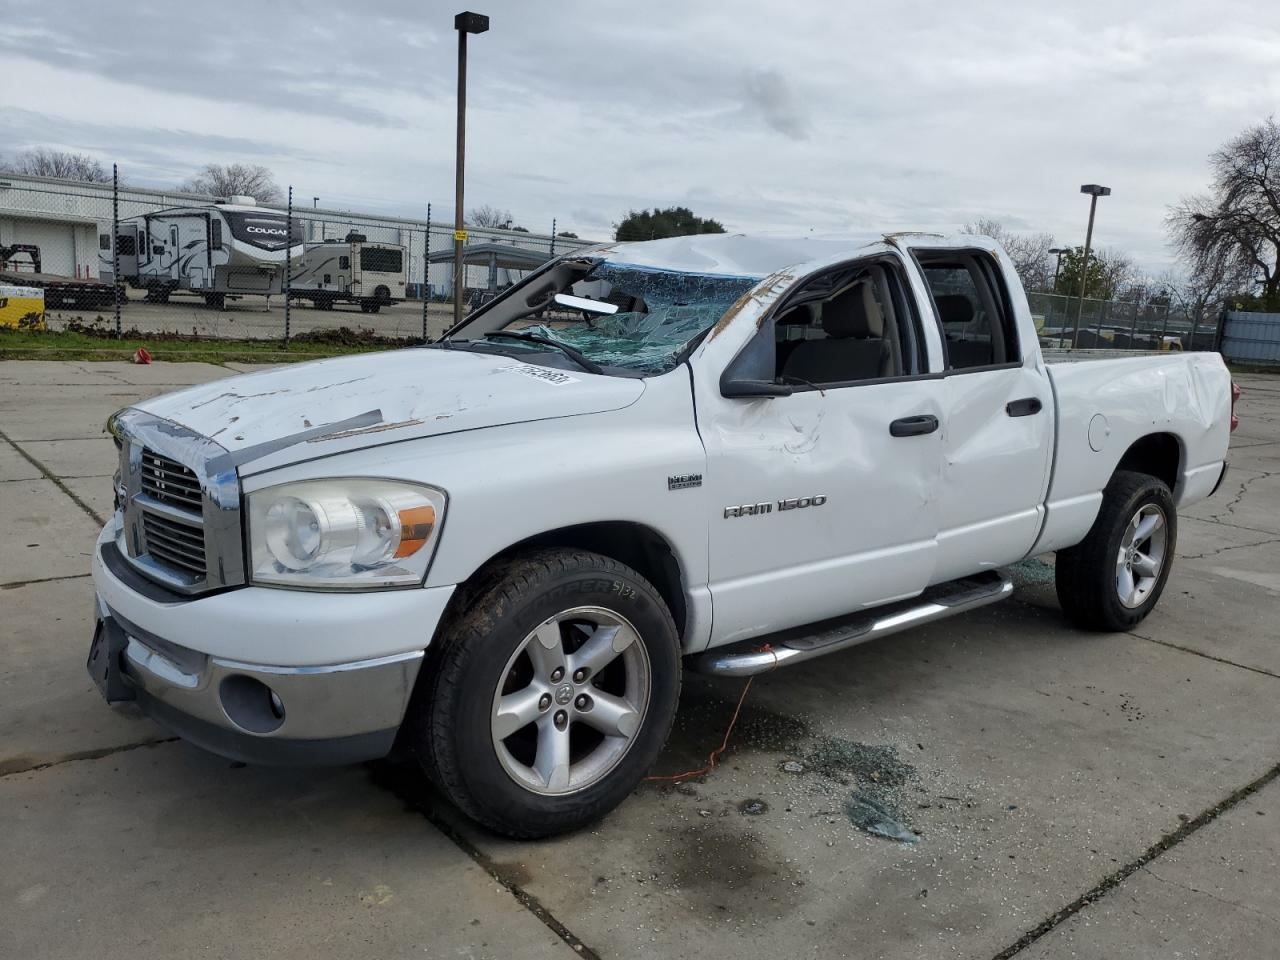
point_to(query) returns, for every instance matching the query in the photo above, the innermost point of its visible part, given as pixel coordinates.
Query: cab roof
(739, 255)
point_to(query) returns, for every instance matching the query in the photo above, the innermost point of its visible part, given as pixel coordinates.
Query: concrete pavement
(1073, 794)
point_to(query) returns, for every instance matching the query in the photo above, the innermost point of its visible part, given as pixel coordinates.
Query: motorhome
(219, 250)
(351, 270)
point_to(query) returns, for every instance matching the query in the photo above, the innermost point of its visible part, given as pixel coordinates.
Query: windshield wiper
(586, 364)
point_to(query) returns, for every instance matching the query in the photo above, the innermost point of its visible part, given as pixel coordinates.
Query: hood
(299, 412)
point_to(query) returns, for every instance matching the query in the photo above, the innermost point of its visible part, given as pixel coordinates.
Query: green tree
(1109, 272)
(655, 224)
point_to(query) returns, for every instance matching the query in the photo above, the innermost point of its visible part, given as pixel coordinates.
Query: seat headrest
(801, 313)
(853, 313)
(954, 308)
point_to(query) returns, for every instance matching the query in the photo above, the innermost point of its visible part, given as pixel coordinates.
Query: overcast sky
(836, 117)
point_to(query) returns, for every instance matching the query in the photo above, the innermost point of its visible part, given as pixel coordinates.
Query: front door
(996, 447)
(825, 501)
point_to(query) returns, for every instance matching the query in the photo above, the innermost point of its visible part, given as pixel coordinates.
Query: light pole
(1095, 191)
(464, 23)
(1057, 269)
(315, 201)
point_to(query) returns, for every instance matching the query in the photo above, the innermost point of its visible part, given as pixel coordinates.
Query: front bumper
(334, 714)
(334, 686)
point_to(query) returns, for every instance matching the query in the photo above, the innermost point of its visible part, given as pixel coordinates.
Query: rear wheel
(551, 695)
(1114, 577)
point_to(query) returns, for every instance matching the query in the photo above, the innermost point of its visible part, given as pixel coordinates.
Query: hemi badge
(684, 481)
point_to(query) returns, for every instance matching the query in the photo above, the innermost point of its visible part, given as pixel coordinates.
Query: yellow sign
(460, 235)
(22, 307)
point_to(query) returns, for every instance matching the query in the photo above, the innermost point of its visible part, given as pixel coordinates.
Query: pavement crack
(1119, 876)
(12, 771)
(1221, 550)
(54, 479)
(27, 583)
(1244, 488)
(387, 775)
(1205, 893)
(1207, 656)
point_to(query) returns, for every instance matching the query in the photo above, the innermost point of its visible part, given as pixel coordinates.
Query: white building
(67, 218)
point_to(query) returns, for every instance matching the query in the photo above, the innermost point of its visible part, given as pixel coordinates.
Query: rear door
(996, 443)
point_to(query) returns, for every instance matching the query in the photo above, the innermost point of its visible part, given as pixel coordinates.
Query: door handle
(1025, 407)
(913, 426)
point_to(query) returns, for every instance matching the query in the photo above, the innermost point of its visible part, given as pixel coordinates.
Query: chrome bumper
(336, 713)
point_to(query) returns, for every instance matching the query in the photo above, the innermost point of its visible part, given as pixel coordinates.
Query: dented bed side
(1103, 407)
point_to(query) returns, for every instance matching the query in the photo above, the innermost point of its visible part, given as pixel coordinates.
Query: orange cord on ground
(715, 754)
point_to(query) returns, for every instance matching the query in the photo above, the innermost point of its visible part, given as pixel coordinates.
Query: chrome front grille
(175, 543)
(178, 498)
(168, 481)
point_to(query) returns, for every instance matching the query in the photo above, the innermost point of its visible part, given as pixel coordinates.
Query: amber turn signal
(416, 525)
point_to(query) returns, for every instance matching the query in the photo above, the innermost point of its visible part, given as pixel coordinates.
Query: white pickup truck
(496, 551)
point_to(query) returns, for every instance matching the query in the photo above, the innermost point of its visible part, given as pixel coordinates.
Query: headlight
(349, 534)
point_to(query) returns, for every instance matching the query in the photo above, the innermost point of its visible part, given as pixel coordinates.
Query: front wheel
(550, 695)
(1114, 577)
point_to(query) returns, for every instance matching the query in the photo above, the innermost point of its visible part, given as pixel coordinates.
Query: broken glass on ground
(872, 815)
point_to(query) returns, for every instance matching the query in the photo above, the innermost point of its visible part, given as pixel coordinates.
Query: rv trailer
(215, 251)
(351, 270)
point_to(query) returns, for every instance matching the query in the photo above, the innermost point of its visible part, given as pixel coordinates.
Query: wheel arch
(639, 546)
(1158, 455)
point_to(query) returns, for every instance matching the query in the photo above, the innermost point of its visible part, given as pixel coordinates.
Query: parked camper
(352, 270)
(227, 248)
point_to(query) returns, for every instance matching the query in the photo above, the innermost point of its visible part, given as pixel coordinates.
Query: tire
(528, 617)
(1091, 576)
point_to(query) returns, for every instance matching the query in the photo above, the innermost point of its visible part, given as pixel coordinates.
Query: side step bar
(816, 640)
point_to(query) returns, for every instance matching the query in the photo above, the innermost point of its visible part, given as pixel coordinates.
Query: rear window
(973, 309)
(381, 259)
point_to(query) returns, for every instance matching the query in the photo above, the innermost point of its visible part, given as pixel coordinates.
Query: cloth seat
(854, 348)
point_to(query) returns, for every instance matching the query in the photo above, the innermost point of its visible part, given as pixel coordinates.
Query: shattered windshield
(658, 312)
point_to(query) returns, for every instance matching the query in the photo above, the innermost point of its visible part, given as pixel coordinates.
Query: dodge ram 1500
(496, 551)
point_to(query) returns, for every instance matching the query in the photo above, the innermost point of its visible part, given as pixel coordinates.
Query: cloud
(768, 94)
(836, 117)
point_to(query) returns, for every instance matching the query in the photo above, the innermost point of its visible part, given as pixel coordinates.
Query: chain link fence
(195, 265)
(1119, 324)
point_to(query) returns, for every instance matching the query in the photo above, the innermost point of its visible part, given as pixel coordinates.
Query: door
(127, 251)
(825, 501)
(996, 442)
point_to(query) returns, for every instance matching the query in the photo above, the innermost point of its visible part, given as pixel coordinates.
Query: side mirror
(753, 389)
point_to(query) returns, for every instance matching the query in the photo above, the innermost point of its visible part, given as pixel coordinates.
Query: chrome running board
(816, 640)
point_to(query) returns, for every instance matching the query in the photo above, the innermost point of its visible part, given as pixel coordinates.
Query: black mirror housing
(753, 389)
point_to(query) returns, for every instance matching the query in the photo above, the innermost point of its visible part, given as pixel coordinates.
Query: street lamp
(1057, 269)
(464, 23)
(1095, 191)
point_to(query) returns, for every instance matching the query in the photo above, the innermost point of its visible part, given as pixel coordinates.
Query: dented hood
(302, 411)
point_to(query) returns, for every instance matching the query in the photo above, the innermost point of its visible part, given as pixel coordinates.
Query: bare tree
(235, 179)
(1234, 229)
(488, 216)
(43, 162)
(1028, 251)
(1117, 274)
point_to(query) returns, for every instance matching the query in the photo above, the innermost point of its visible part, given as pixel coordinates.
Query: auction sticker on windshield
(546, 375)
